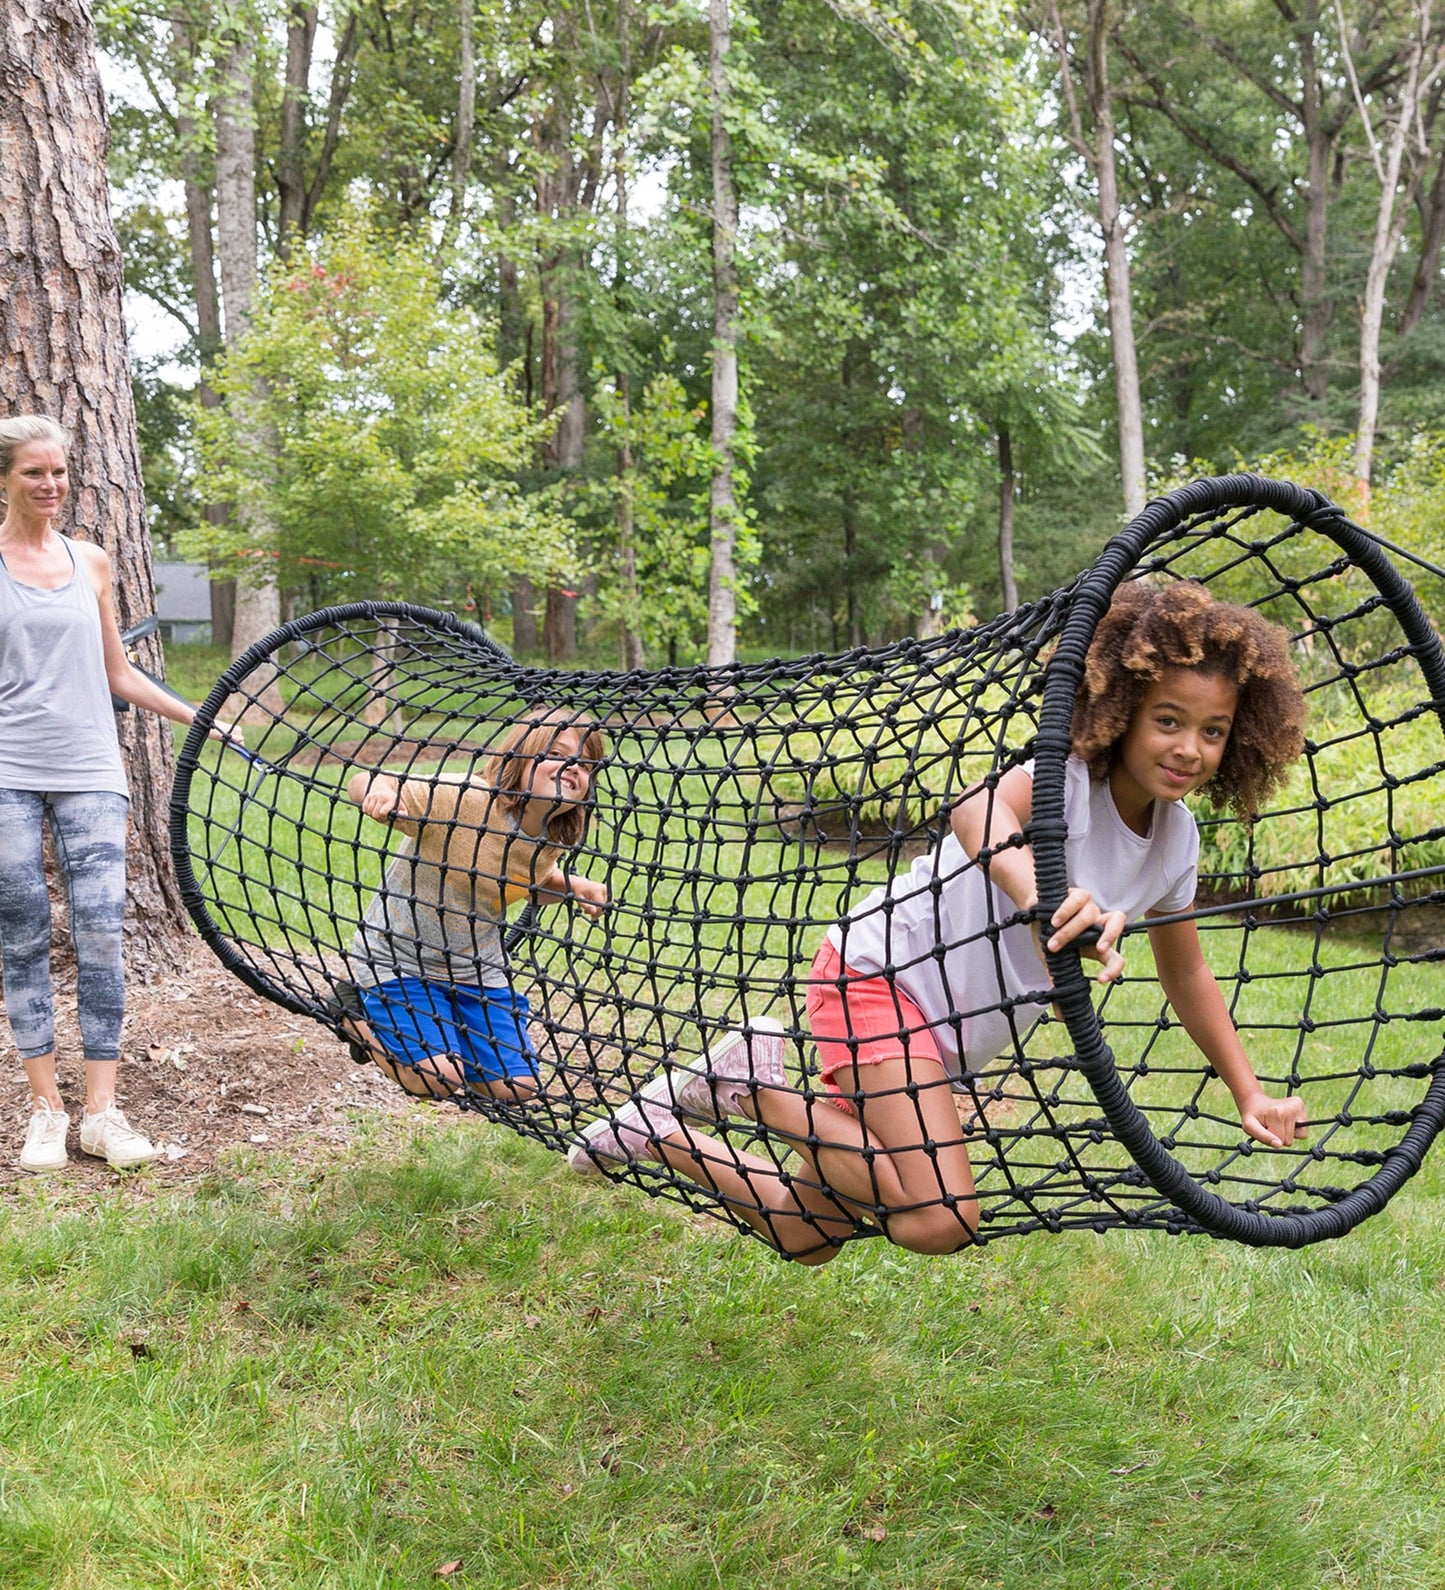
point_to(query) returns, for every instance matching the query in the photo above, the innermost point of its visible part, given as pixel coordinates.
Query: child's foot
(728, 1075)
(625, 1136)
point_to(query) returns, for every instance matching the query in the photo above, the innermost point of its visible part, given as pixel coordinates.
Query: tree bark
(1432, 229)
(558, 188)
(200, 201)
(525, 638)
(62, 323)
(466, 124)
(722, 601)
(258, 601)
(1096, 146)
(301, 24)
(1391, 215)
(1315, 307)
(630, 645)
(1116, 264)
(1006, 489)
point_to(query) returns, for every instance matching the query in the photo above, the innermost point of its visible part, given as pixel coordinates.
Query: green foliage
(663, 489)
(368, 422)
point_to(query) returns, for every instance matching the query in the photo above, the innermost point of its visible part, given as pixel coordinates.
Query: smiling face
(557, 777)
(1174, 743)
(37, 483)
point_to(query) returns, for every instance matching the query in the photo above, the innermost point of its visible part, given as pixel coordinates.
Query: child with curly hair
(922, 982)
(433, 1000)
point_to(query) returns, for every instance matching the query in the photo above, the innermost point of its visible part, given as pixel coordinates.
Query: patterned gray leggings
(89, 830)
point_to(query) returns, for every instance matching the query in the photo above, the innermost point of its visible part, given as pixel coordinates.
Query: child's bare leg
(902, 1160)
(513, 1089)
(795, 1217)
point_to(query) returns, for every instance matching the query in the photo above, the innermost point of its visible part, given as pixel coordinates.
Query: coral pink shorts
(859, 1021)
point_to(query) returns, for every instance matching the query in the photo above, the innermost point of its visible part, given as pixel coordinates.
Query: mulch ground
(207, 1067)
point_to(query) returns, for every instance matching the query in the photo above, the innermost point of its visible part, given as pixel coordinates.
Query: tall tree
(1095, 142)
(62, 319)
(722, 604)
(1398, 167)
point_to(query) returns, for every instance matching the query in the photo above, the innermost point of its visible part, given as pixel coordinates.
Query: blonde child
(920, 983)
(431, 974)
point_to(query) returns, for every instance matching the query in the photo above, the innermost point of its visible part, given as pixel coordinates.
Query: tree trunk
(301, 24)
(258, 601)
(1315, 308)
(1006, 488)
(558, 186)
(633, 653)
(524, 616)
(62, 323)
(1116, 264)
(200, 199)
(1432, 228)
(1390, 218)
(466, 123)
(722, 599)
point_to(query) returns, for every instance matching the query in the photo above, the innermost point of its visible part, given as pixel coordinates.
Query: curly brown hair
(1150, 629)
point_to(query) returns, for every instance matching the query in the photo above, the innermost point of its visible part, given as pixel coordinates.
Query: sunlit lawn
(450, 1348)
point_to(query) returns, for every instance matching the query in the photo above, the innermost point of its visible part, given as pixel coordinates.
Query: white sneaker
(109, 1136)
(44, 1148)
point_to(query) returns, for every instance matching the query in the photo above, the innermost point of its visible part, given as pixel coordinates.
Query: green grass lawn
(448, 1347)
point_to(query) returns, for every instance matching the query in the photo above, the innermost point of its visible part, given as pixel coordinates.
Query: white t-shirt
(936, 924)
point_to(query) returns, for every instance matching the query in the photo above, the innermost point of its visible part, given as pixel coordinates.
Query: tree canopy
(478, 364)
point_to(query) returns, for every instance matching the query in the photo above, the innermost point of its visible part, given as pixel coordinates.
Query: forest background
(460, 287)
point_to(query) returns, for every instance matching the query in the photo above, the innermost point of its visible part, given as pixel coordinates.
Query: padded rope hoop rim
(190, 757)
(1206, 1211)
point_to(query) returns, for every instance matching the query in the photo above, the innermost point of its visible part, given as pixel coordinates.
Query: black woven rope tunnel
(740, 811)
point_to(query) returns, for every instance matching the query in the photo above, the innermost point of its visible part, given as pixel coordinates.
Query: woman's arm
(1191, 989)
(124, 680)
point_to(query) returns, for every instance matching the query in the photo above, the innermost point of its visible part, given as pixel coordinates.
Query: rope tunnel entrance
(736, 813)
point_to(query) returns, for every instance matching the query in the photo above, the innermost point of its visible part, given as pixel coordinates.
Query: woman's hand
(228, 732)
(1273, 1122)
(1077, 915)
(592, 897)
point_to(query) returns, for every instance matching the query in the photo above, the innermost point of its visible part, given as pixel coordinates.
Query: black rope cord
(741, 811)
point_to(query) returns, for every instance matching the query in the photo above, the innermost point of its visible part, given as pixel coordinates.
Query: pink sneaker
(624, 1136)
(728, 1075)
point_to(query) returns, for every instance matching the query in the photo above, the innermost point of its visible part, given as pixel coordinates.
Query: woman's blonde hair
(531, 739)
(22, 428)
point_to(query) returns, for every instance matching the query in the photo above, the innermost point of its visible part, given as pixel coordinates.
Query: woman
(61, 657)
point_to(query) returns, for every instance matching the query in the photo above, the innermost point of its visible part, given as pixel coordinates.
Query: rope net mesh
(739, 812)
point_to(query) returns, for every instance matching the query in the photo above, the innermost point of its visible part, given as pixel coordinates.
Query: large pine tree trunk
(62, 326)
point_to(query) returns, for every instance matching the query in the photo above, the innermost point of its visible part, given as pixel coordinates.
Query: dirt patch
(208, 1066)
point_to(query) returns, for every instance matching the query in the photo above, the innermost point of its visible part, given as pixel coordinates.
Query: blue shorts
(485, 1028)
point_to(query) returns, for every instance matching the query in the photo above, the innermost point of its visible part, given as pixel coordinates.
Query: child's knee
(936, 1229)
(517, 1087)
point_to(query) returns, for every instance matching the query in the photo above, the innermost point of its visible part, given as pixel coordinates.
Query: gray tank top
(57, 726)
